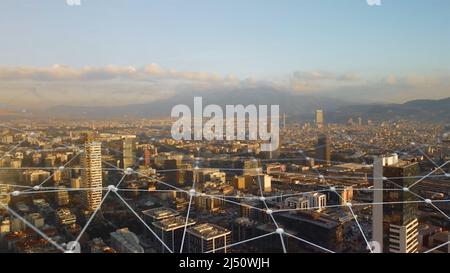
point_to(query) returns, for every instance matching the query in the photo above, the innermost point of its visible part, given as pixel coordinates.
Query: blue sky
(258, 39)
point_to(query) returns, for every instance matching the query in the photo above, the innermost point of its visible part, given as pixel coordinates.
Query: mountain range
(297, 107)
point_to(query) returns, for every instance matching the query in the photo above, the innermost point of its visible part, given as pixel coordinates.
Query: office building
(319, 118)
(62, 196)
(170, 231)
(158, 214)
(208, 237)
(65, 217)
(129, 151)
(323, 150)
(400, 222)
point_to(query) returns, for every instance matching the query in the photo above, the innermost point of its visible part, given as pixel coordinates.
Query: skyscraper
(129, 152)
(147, 155)
(91, 174)
(319, 118)
(323, 150)
(400, 223)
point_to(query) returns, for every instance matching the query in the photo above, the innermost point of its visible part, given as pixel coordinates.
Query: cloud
(40, 87)
(317, 81)
(66, 73)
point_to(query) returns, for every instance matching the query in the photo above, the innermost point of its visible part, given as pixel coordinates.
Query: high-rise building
(129, 152)
(35, 177)
(62, 196)
(170, 231)
(147, 155)
(248, 167)
(400, 223)
(4, 196)
(323, 150)
(173, 173)
(319, 118)
(65, 217)
(208, 238)
(91, 174)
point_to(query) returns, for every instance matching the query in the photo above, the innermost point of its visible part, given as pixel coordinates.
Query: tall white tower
(319, 118)
(92, 174)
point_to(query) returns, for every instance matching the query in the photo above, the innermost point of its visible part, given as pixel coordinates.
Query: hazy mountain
(297, 107)
(291, 104)
(420, 110)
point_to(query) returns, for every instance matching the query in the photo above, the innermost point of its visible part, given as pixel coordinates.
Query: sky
(51, 52)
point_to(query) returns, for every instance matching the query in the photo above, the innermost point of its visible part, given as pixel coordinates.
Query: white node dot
(300, 151)
(385, 178)
(307, 158)
(333, 189)
(349, 204)
(82, 151)
(15, 193)
(405, 189)
(141, 159)
(321, 177)
(112, 188)
(129, 171)
(447, 175)
(428, 201)
(36, 188)
(269, 211)
(32, 134)
(413, 143)
(262, 198)
(445, 135)
(280, 231)
(61, 168)
(196, 168)
(192, 192)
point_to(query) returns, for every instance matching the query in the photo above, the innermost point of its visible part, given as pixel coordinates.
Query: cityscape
(115, 186)
(89, 162)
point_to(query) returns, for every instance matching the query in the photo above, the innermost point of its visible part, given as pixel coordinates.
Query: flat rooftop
(170, 224)
(160, 213)
(208, 231)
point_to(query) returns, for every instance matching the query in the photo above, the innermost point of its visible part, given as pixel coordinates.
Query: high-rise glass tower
(323, 150)
(400, 210)
(129, 152)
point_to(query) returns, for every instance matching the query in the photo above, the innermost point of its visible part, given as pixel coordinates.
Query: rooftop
(160, 213)
(208, 231)
(173, 223)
